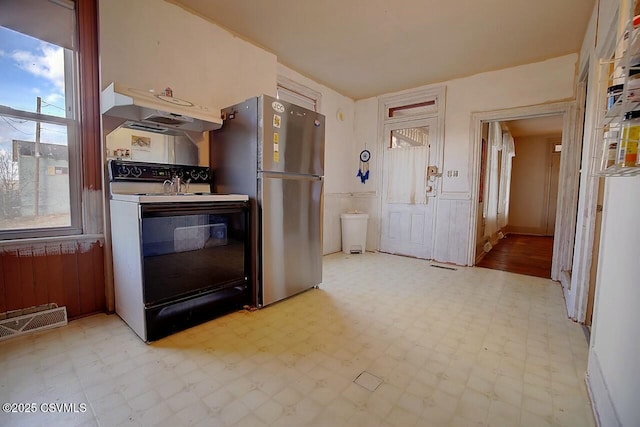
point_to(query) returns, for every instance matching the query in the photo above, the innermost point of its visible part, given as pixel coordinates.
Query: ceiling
(536, 126)
(364, 48)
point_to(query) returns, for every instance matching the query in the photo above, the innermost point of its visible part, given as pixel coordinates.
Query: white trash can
(354, 232)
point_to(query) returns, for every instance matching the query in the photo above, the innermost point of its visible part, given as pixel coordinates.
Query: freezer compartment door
(292, 139)
(291, 235)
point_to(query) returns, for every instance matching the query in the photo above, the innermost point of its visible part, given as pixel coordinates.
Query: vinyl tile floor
(428, 346)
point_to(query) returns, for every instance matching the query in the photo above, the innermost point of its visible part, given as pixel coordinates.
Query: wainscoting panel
(451, 228)
(66, 273)
(452, 231)
(367, 202)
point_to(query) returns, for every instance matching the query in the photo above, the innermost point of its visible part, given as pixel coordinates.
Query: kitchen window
(39, 121)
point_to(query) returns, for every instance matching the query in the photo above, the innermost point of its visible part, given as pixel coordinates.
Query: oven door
(192, 248)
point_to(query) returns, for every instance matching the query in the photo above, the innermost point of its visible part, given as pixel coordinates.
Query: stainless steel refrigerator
(273, 151)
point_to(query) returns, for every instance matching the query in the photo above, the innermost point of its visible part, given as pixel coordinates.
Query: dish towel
(407, 169)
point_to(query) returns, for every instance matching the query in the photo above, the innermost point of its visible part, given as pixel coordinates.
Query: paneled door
(408, 202)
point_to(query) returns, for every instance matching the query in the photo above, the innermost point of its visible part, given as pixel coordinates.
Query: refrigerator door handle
(284, 175)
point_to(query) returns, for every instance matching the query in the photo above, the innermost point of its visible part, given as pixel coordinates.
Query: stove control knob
(193, 174)
(203, 175)
(136, 171)
(123, 170)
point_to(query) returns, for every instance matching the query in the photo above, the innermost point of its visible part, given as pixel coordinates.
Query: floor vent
(444, 268)
(50, 316)
(368, 381)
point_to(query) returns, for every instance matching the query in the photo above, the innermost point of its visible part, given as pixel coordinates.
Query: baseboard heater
(40, 318)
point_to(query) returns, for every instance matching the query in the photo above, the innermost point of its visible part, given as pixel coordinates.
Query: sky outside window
(30, 68)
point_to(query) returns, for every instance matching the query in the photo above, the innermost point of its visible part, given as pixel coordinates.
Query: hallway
(530, 255)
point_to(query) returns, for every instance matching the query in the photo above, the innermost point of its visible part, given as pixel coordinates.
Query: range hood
(143, 110)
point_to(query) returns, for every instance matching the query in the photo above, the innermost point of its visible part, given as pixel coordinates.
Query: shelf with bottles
(622, 89)
(611, 92)
(618, 104)
(620, 143)
(620, 119)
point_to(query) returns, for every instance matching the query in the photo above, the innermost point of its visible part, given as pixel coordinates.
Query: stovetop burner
(144, 183)
(120, 170)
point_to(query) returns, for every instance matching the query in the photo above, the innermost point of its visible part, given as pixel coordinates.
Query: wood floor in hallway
(530, 255)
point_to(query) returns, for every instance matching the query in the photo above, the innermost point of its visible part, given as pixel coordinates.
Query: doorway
(535, 175)
(567, 191)
(519, 208)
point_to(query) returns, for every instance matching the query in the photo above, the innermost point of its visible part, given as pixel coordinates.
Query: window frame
(286, 84)
(82, 123)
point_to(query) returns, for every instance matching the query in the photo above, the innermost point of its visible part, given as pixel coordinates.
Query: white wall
(365, 195)
(538, 83)
(529, 181)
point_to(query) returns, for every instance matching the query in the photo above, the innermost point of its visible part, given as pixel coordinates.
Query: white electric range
(180, 255)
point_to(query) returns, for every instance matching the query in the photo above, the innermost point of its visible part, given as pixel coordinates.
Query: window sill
(13, 243)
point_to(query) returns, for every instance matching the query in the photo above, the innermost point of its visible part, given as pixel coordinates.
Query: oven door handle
(173, 209)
